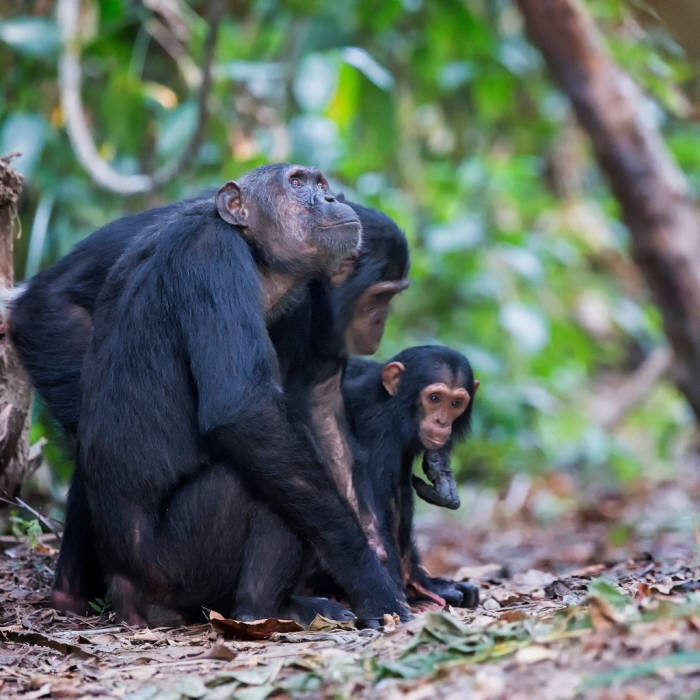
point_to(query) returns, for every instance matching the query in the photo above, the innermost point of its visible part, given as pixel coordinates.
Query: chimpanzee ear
(391, 376)
(477, 384)
(229, 204)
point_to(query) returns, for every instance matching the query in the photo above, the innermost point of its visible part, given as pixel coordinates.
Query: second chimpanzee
(419, 402)
(344, 312)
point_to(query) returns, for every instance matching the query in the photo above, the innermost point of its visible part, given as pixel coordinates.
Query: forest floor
(584, 594)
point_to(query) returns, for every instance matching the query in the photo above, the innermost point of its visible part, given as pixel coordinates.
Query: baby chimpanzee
(419, 402)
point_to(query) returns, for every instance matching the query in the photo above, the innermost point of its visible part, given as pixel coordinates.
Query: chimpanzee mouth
(342, 223)
(431, 442)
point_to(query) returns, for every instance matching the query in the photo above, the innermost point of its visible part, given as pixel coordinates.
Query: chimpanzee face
(291, 216)
(440, 404)
(437, 404)
(366, 327)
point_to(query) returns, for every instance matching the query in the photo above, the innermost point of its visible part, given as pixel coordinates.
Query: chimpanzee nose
(329, 197)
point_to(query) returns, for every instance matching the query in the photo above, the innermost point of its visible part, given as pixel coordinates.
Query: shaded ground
(597, 600)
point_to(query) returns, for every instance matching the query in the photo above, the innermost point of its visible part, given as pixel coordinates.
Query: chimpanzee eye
(295, 181)
(323, 184)
(456, 403)
(434, 397)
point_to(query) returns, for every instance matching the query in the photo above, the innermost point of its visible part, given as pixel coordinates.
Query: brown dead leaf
(145, 635)
(603, 615)
(643, 591)
(219, 651)
(588, 571)
(256, 629)
(505, 596)
(324, 624)
(512, 616)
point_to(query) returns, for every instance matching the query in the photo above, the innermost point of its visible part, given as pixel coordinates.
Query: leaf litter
(568, 611)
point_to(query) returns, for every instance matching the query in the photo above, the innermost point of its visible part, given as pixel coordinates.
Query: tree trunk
(15, 390)
(663, 222)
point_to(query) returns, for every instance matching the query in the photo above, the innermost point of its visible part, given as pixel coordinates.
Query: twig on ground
(17, 501)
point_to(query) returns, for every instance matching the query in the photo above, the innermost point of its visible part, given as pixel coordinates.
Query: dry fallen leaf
(475, 573)
(604, 615)
(325, 624)
(512, 616)
(391, 620)
(256, 629)
(534, 654)
(145, 635)
(45, 549)
(219, 651)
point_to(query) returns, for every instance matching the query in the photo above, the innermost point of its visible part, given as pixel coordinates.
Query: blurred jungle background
(440, 114)
(551, 211)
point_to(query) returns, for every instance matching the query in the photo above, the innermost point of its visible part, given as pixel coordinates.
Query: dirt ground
(584, 594)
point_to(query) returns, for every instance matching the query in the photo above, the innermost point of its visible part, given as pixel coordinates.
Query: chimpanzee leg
(270, 567)
(213, 541)
(79, 577)
(270, 571)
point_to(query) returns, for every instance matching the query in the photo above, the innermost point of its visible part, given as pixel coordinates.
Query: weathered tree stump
(15, 389)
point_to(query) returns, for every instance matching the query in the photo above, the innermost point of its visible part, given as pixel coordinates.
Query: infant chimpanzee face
(441, 403)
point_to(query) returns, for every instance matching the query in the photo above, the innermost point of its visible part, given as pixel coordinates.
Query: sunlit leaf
(360, 59)
(38, 36)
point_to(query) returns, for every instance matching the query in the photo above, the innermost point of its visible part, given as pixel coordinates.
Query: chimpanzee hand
(305, 608)
(460, 594)
(382, 596)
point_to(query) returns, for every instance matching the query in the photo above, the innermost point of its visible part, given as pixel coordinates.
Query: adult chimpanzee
(346, 312)
(419, 402)
(182, 415)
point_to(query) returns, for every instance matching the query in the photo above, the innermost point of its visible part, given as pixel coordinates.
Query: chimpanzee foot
(68, 602)
(459, 594)
(126, 599)
(304, 609)
(375, 622)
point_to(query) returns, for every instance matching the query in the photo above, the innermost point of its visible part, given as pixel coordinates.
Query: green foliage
(101, 606)
(31, 529)
(442, 115)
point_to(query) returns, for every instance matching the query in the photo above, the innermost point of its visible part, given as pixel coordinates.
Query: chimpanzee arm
(242, 415)
(457, 593)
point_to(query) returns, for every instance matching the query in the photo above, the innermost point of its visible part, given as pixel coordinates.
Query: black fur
(309, 343)
(183, 418)
(386, 428)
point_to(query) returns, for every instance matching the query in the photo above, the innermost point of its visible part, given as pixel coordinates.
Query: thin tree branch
(19, 503)
(633, 390)
(69, 83)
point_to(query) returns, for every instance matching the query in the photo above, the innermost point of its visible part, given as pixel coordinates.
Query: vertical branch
(15, 390)
(660, 214)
